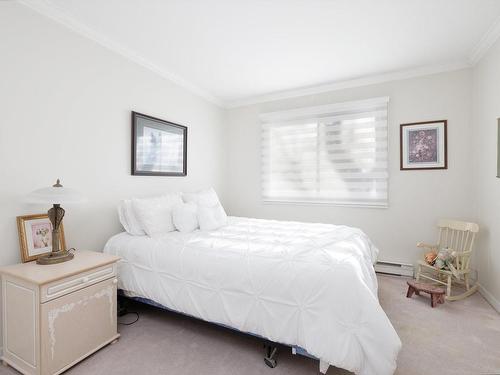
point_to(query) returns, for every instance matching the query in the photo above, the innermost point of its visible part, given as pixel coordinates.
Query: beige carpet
(455, 338)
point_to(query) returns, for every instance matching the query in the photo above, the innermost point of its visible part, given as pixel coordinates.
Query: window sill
(319, 203)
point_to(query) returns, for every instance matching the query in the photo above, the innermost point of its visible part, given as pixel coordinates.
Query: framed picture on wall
(423, 145)
(35, 236)
(159, 147)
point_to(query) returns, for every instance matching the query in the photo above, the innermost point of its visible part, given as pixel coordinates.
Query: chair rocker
(457, 236)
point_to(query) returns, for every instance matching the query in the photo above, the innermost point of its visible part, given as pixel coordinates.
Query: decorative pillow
(211, 218)
(211, 214)
(128, 218)
(155, 214)
(185, 217)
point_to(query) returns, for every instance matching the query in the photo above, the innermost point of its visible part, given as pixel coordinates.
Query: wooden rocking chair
(457, 236)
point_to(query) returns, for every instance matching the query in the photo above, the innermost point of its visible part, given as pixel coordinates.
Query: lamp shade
(55, 194)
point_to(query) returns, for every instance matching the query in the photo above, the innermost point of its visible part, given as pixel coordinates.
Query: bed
(310, 286)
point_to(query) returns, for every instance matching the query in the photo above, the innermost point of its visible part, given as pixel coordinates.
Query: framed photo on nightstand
(35, 236)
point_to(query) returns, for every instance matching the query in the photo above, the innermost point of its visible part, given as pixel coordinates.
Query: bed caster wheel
(270, 362)
(270, 356)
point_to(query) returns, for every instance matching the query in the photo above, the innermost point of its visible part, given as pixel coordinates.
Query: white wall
(65, 107)
(486, 111)
(416, 198)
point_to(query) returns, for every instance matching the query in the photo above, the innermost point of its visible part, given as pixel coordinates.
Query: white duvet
(310, 285)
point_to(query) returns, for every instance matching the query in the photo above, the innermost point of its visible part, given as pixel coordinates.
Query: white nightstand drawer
(68, 285)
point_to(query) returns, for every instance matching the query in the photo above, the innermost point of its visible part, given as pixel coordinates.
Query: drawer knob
(115, 281)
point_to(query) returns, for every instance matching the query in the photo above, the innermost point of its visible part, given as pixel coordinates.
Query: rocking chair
(457, 236)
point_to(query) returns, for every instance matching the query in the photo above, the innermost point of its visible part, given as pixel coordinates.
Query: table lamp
(55, 195)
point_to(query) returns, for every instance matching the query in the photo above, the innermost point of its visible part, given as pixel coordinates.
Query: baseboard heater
(394, 268)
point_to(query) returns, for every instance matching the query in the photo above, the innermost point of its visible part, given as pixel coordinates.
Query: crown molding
(50, 10)
(358, 82)
(485, 43)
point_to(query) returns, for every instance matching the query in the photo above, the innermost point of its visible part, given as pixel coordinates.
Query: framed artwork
(423, 145)
(35, 236)
(159, 147)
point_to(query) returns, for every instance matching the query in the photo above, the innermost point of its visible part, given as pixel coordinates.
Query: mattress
(300, 284)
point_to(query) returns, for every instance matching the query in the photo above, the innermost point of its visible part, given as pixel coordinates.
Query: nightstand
(56, 315)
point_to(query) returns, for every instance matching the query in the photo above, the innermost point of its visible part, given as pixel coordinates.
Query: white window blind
(328, 154)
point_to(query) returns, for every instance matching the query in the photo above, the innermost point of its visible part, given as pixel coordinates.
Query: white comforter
(310, 285)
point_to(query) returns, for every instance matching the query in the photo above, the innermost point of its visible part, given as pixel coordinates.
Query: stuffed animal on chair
(430, 257)
(444, 260)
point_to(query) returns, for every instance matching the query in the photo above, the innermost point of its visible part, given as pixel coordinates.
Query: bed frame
(270, 347)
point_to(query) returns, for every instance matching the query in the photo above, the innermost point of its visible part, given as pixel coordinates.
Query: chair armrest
(427, 246)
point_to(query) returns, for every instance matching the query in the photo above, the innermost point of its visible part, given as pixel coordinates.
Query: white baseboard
(393, 268)
(490, 298)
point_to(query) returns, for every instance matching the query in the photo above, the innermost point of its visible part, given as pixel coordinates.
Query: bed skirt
(295, 349)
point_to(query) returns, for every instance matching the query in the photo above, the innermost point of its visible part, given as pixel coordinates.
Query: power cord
(130, 323)
(122, 311)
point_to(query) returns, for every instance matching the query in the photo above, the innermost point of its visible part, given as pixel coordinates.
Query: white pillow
(211, 214)
(155, 214)
(122, 216)
(211, 218)
(128, 218)
(185, 217)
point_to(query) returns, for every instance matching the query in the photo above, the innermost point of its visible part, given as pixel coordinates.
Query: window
(328, 154)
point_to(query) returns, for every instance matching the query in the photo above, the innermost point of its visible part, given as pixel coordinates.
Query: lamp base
(55, 257)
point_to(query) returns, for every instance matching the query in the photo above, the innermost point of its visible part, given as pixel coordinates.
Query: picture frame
(35, 236)
(424, 145)
(159, 147)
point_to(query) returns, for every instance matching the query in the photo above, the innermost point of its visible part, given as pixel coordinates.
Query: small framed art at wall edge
(423, 145)
(159, 147)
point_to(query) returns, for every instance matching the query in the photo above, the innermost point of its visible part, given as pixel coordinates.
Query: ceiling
(234, 51)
